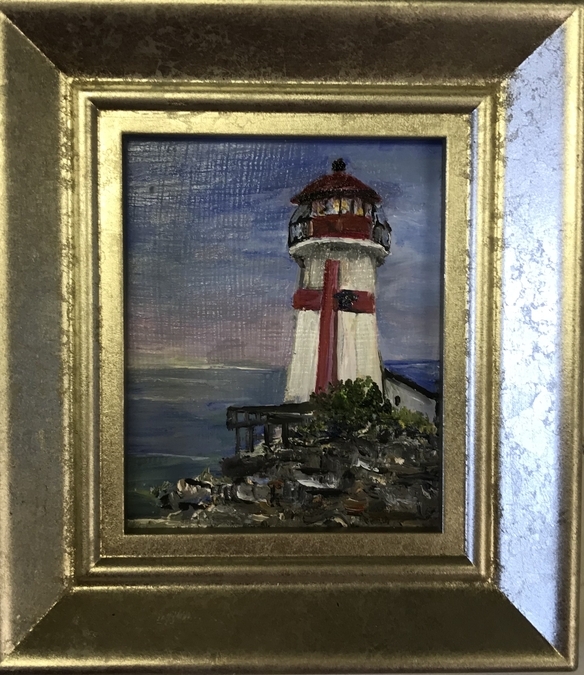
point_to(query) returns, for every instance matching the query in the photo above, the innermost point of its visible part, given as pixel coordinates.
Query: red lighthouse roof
(338, 183)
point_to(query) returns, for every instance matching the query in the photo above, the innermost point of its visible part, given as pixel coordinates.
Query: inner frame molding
(75, 605)
(111, 126)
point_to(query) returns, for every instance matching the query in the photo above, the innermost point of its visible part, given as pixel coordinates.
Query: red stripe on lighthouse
(307, 298)
(326, 372)
(364, 303)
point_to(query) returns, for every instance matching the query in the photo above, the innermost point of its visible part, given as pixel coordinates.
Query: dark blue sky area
(209, 278)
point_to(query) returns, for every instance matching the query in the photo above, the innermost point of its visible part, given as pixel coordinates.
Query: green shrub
(413, 422)
(356, 409)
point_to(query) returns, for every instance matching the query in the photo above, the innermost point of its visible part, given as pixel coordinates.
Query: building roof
(402, 379)
(337, 183)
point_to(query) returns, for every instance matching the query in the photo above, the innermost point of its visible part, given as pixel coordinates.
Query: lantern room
(338, 205)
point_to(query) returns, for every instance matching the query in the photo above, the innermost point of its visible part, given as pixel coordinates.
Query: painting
(283, 322)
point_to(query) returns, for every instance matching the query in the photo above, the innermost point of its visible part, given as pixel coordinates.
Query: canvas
(283, 304)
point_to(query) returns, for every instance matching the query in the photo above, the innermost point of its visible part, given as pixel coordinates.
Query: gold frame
(91, 596)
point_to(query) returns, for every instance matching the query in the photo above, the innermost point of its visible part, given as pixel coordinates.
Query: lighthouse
(338, 235)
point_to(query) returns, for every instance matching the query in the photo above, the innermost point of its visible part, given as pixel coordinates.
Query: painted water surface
(226, 290)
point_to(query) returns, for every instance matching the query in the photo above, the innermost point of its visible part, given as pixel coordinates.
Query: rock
(318, 482)
(244, 492)
(330, 463)
(176, 515)
(267, 509)
(193, 494)
(399, 500)
(355, 507)
(219, 516)
(364, 465)
(251, 492)
(340, 521)
(259, 517)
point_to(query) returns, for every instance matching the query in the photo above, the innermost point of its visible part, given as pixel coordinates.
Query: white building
(405, 393)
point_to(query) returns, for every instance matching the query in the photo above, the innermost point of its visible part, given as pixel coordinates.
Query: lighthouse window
(345, 205)
(367, 209)
(301, 213)
(358, 207)
(332, 206)
(318, 208)
(297, 232)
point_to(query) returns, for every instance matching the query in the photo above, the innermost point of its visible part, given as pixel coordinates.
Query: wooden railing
(245, 420)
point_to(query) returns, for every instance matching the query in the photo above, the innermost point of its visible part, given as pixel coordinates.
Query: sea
(175, 419)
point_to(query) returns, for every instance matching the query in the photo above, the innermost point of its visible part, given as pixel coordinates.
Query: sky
(208, 276)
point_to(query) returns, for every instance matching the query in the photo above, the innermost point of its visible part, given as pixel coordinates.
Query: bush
(413, 422)
(356, 409)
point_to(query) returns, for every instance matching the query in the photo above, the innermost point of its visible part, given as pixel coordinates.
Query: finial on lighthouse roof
(339, 165)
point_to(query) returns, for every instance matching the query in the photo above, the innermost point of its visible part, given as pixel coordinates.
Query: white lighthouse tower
(339, 236)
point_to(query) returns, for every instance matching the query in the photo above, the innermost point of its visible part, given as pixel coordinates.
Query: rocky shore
(334, 485)
(367, 465)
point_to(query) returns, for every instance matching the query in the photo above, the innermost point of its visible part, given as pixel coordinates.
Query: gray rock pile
(340, 483)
